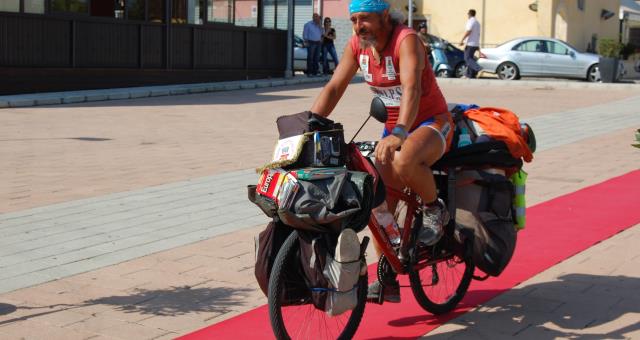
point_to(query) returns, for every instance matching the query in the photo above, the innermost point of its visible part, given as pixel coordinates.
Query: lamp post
(288, 72)
(410, 11)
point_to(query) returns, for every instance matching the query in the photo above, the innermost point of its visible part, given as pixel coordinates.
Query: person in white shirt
(472, 35)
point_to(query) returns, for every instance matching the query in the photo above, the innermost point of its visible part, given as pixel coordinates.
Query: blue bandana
(372, 6)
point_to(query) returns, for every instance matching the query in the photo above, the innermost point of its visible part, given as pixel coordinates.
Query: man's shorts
(442, 124)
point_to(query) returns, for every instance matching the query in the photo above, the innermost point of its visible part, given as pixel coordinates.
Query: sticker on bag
(278, 185)
(288, 149)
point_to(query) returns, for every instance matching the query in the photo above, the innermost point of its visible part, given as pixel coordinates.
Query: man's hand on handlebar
(387, 147)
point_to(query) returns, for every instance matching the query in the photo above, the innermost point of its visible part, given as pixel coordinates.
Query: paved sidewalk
(56, 241)
(187, 287)
(593, 295)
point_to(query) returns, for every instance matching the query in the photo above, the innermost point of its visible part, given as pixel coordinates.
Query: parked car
(540, 57)
(300, 56)
(454, 56)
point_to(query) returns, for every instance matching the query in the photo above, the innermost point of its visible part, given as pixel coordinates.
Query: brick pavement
(185, 288)
(62, 153)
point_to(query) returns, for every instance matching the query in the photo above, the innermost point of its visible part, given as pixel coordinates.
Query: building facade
(579, 22)
(54, 45)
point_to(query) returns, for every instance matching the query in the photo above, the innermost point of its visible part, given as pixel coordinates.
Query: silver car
(539, 57)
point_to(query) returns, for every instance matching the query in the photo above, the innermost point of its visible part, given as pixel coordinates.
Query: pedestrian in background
(328, 46)
(312, 35)
(424, 36)
(472, 35)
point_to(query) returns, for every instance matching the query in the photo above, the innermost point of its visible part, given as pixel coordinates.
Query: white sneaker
(435, 216)
(348, 247)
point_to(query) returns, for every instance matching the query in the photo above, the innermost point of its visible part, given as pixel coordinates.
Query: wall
(583, 24)
(338, 11)
(504, 20)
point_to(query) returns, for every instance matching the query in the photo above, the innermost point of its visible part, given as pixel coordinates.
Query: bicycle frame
(358, 162)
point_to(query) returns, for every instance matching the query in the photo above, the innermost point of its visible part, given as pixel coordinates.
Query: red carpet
(556, 229)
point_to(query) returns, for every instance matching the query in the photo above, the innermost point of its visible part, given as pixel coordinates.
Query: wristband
(400, 132)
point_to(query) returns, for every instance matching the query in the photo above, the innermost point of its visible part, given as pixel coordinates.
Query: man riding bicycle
(394, 64)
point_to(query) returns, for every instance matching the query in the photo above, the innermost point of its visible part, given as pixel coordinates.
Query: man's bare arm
(333, 91)
(412, 63)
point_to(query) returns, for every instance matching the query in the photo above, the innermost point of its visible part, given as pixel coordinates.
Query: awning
(629, 9)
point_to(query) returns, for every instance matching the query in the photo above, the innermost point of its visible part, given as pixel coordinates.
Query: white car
(300, 56)
(540, 57)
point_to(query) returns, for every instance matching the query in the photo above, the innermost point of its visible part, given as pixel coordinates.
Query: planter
(608, 69)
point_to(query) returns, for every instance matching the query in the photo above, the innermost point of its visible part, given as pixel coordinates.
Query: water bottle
(464, 139)
(388, 223)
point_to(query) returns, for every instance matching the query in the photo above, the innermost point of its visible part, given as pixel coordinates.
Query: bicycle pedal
(377, 300)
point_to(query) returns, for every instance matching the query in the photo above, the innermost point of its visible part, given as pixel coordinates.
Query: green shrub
(610, 48)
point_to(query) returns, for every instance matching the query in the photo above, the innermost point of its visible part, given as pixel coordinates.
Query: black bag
(484, 204)
(325, 146)
(267, 244)
(331, 204)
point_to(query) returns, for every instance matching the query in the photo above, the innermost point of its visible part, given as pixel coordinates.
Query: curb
(547, 84)
(72, 97)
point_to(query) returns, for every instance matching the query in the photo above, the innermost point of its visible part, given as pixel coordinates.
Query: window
(268, 13)
(34, 6)
(221, 11)
(10, 6)
(188, 11)
(557, 48)
(75, 6)
(581, 5)
(178, 11)
(246, 13)
(135, 9)
(156, 10)
(282, 13)
(531, 46)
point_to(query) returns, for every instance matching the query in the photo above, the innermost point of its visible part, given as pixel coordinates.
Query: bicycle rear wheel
(439, 284)
(298, 318)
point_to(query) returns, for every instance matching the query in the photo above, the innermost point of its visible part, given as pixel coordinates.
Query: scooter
(439, 61)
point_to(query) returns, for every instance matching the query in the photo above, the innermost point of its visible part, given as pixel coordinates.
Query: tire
(593, 75)
(443, 74)
(302, 320)
(453, 272)
(508, 71)
(460, 70)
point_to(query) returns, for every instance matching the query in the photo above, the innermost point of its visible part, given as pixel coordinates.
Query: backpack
(484, 206)
(495, 124)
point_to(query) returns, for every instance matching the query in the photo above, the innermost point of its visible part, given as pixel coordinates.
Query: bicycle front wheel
(293, 315)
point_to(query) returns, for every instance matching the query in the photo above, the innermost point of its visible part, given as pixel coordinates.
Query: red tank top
(384, 79)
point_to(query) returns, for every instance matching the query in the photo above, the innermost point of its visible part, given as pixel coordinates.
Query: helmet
(529, 136)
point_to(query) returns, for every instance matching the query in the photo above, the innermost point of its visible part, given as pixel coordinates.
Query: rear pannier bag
(484, 204)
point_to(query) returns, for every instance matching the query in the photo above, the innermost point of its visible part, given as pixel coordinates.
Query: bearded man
(394, 64)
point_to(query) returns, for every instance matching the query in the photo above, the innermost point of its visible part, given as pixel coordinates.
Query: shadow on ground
(600, 316)
(163, 302)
